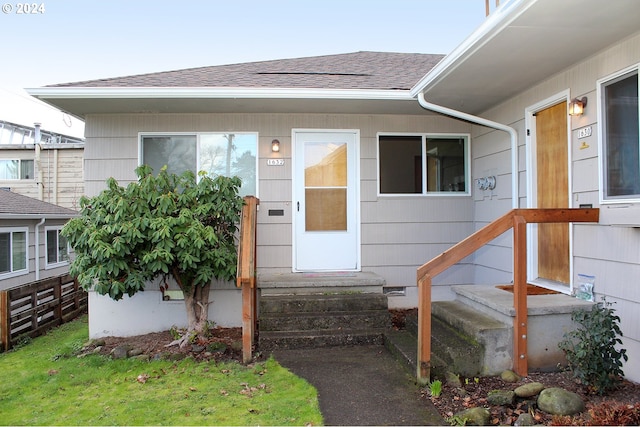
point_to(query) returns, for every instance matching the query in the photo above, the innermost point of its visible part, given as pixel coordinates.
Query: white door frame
(355, 163)
(532, 190)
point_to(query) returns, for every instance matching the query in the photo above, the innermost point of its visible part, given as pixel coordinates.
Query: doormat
(531, 290)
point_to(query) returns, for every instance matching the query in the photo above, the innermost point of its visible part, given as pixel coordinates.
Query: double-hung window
(13, 251)
(57, 247)
(14, 169)
(619, 137)
(423, 164)
(227, 154)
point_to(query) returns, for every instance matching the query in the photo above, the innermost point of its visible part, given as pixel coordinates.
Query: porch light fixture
(275, 146)
(576, 106)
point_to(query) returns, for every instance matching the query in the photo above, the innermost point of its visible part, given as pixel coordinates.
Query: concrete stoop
(319, 320)
(463, 341)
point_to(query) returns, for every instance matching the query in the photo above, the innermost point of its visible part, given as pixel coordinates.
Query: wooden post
(520, 363)
(5, 321)
(57, 296)
(424, 330)
(247, 275)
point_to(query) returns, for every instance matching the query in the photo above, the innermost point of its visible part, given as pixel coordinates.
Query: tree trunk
(197, 305)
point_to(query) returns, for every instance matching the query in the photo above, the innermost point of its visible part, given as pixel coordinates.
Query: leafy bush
(591, 348)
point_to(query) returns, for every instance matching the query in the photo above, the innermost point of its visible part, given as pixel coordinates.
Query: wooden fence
(34, 308)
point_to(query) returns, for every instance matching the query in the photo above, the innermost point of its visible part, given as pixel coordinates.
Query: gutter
(488, 123)
(37, 248)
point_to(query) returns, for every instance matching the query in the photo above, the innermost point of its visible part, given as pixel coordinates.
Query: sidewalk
(361, 385)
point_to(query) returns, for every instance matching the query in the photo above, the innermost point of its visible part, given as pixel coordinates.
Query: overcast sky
(75, 40)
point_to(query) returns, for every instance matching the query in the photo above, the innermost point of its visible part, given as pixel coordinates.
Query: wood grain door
(553, 191)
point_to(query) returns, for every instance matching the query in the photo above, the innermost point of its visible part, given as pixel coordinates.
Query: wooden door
(553, 191)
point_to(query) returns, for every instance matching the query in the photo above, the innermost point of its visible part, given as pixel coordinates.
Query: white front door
(325, 205)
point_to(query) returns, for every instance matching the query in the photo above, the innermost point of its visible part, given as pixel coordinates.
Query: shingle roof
(12, 204)
(359, 70)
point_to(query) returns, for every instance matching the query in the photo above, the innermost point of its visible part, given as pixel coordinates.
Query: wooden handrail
(518, 219)
(246, 273)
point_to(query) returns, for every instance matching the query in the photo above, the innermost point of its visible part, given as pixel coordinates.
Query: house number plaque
(275, 162)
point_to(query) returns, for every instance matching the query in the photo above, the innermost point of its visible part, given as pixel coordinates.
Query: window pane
(178, 152)
(445, 164)
(229, 154)
(400, 164)
(26, 169)
(5, 251)
(19, 251)
(622, 151)
(325, 181)
(9, 169)
(52, 246)
(63, 248)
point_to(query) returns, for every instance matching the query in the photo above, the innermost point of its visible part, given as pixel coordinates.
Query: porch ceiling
(523, 43)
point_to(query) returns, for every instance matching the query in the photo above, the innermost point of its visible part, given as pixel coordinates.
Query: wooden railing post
(424, 330)
(5, 321)
(247, 274)
(520, 362)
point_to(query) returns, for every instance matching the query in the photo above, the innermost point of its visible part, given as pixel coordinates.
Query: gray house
(378, 162)
(31, 247)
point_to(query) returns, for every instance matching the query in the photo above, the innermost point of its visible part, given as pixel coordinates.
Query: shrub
(591, 348)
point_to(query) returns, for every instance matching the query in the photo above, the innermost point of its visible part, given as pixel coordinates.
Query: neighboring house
(31, 246)
(407, 154)
(41, 164)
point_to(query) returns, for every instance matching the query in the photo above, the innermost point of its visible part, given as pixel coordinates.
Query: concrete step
(281, 340)
(320, 283)
(321, 303)
(463, 341)
(307, 321)
(488, 341)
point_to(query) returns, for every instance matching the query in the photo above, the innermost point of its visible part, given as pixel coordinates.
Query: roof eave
(493, 25)
(45, 93)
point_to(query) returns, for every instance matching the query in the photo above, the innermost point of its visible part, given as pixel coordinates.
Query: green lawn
(44, 383)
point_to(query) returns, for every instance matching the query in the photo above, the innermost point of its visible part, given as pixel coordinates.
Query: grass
(44, 383)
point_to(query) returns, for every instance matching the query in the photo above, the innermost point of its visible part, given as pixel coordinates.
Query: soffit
(523, 44)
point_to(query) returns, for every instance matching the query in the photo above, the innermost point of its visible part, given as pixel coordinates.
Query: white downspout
(37, 248)
(515, 202)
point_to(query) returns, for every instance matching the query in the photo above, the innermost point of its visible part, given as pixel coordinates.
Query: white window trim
(198, 137)
(47, 264)
(601, 142)
(425, 193)
(25, 270)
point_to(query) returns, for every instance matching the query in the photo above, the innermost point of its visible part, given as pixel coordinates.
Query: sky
(74, 40)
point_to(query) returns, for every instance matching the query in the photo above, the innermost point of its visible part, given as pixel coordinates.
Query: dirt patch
(222, 344)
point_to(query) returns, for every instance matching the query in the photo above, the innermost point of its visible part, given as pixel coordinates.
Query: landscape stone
(99, 342)
(525, 419)
(120, 352)
(501, 397)
(475, 416)
(529, 389)
(197, 348)
(143, 357)
(510, 376)
(557, 401)
(135, 352)
(452, 379)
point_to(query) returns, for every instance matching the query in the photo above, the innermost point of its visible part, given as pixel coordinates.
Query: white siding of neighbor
(398, 233)
(611, 253)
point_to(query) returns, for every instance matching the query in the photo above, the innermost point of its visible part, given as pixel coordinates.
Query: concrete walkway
(361, 385)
